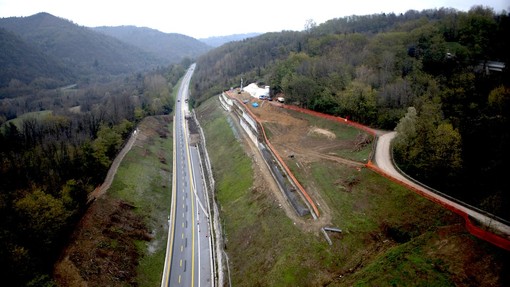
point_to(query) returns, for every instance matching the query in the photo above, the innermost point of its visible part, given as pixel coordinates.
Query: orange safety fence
(472, 228)
(299, 186)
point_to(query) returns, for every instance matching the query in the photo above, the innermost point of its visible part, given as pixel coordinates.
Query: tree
(300, 89)
(476, 31)
(43, 218)
(310, 25)
(358, 101)
(499, 100)
(106, 145)
(406, 137)
(446, 146)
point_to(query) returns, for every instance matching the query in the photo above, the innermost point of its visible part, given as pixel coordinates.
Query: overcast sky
(205, 18)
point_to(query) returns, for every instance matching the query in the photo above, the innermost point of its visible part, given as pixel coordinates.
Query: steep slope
(78, 47)
(373, 68)
(171, 47)
(23, 62)
(220, 40)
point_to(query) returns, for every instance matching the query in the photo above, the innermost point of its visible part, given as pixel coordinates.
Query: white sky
(205, 18)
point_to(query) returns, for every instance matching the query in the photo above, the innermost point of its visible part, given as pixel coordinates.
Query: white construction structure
(257, 92)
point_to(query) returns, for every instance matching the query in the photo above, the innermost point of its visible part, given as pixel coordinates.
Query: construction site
(318, 170)
(286, 140)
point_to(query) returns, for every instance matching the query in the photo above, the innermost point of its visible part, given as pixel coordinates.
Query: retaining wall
(248, 114)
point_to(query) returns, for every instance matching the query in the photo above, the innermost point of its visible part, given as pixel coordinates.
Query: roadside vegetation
(58, 153)
(144, 179)
(373, 68)
(390, 234)
(122, 238)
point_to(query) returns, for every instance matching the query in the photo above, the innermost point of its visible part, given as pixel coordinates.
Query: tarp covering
(255, 91)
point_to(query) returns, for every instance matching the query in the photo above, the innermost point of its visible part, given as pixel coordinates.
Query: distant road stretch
(188, 257)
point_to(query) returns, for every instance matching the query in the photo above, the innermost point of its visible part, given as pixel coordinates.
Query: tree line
(50, 161)
(423, 73)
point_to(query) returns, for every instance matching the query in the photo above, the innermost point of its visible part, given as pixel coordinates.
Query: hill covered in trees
(69, 97)
(425, 73)
(220, 40)
(88, 54)
(59, 152)
(25, 63)
(171, 47)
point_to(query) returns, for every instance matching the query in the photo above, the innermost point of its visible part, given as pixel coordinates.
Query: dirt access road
(100, 190)
(384, 161)
(294, 136)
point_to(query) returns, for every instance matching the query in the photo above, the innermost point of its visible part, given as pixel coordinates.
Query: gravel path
(113, 169)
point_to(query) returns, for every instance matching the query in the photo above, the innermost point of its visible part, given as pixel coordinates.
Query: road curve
(383, 160)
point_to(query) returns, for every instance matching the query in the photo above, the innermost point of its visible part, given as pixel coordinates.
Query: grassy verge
(404, 263)
(19, 120)
(249, 217)
(144, 180)
(391, 236)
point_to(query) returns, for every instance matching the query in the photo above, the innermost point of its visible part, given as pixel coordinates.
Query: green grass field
(144, 179)
(18, 121)
(389, 233)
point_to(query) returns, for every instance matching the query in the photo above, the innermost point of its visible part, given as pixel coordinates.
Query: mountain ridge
(172, 47)
(216, 41)
(22, 62)
(78, 47)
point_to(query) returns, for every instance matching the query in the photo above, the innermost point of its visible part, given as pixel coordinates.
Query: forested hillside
(170, 47)
(220, 40)
(24, 63)
(426, 71)
(55, 150)
(82, 50)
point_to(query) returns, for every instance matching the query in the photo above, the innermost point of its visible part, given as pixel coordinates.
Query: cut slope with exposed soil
(391, 236)
(126, 225)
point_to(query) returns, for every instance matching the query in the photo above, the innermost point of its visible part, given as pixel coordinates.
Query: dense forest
(69, 98)
(90, 54)
(45, 51)
(434, 75)
(52, 157)
(169, 46)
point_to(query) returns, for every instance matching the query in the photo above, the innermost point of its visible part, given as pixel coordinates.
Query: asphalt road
(384, 161)
(188, 258)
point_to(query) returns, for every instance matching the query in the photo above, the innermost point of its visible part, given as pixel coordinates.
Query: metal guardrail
(453, 199)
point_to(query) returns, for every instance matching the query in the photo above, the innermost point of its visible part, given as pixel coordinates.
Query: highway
(188, 259)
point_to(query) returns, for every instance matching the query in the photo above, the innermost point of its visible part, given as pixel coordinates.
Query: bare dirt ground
(296, 138)
(291, 135)
(101, 250)
(270, 186)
